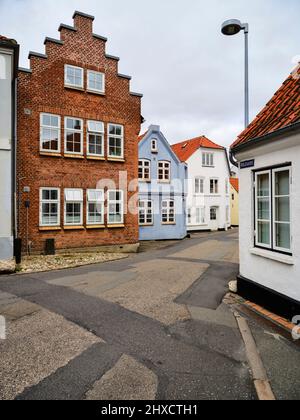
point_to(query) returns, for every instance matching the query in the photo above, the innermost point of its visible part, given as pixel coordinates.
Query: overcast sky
(190, 74)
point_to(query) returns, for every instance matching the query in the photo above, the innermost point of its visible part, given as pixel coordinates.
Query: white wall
(5, 155)
(277, 275)
(220, 200)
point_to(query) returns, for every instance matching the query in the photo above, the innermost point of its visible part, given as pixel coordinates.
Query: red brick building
(78, 124)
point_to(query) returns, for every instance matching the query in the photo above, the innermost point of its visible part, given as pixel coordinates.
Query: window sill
(95, 92)
(49, 228)
(95, 226)
(146, 225)
(70, 156)
(281, 258)
(95, 158)
(80, 89)
(73, 227)
(164, 182)
(50, 154)
(169, 224)
(115, 226)
(120, 160)
(145, 181)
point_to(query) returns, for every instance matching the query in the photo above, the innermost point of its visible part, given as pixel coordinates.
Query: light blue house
(162, 186)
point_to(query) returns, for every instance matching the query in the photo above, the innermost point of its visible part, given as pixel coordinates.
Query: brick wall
(43, 90)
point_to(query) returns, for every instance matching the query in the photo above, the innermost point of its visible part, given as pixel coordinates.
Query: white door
(214, 218)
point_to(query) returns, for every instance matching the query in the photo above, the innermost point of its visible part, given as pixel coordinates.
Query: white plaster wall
(275, 275)
(5, 156)
(220, 200)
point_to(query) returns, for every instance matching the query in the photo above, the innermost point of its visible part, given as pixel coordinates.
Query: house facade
(9, 53)
(78, 125)
(234, 200)
(162, 181)
(208, 202)
(268, 154)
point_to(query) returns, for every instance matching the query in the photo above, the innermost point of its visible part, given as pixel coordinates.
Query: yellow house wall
(234, 207)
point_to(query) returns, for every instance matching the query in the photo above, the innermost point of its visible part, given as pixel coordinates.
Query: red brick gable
(281, 111)
(186, 149)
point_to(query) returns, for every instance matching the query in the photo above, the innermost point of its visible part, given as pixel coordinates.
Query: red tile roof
(235, 183)
(186, 149)
(282, 111)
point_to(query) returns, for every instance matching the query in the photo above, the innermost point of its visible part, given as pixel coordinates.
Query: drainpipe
(232, 159)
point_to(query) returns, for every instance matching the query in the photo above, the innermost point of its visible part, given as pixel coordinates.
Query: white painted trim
(271, 255)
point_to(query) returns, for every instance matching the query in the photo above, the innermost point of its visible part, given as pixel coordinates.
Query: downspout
(14, 158)
(232, 159)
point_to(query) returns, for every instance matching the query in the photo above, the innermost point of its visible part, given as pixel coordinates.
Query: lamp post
(230, 28)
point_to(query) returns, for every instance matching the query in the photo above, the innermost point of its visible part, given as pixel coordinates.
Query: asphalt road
(152, 326)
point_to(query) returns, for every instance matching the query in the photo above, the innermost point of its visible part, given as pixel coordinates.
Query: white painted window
(73, 136)
(272, 209)
(207, 159)
(95, 207)
(214, 186)
(50, 133)
(115, 207)
(199, 185)
(115, 141)
(200, 215)
(213, 213)
(95, 138)
(49, 207)
(145, 212)
(96, 81)
(73, 207)
(74, 76)
(144, 170)
(154, 148)
(168, 211)
(164, 171)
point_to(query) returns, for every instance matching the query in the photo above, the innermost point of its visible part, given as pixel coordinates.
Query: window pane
(263, 209)
(263, 187)
(282, 183)
(264, 233)
(283, 235)
(282, 209)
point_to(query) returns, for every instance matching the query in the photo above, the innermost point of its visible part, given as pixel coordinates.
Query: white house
(208, 202)
(8, 69)
(268, 153)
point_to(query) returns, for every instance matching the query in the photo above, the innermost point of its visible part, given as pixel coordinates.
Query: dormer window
(74, 77)
(154, 148)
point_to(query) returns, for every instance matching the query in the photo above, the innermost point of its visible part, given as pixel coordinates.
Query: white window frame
(257, 220)
(97, 133)
(73, 202)
(215, 209)
(143, 167)
(201, 180)
(121, 202)
(49, 127)
(274, 196)
(145, 210)
(121, 137)
(74, 85)
(99, 203)
(201, 215)
(214, 187)
(166, 167)
(168, 209)
(69, 130)
(208, 159)
(154, 147)
(90, 89)
(49, 202)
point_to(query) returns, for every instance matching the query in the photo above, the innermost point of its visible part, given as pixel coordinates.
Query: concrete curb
(259, 374)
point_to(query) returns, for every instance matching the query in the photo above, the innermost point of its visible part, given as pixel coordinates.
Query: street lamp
(230, 28)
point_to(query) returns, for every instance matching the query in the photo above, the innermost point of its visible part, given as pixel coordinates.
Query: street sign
(247, 164)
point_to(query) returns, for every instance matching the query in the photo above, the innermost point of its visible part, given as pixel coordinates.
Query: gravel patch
(36, 264)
